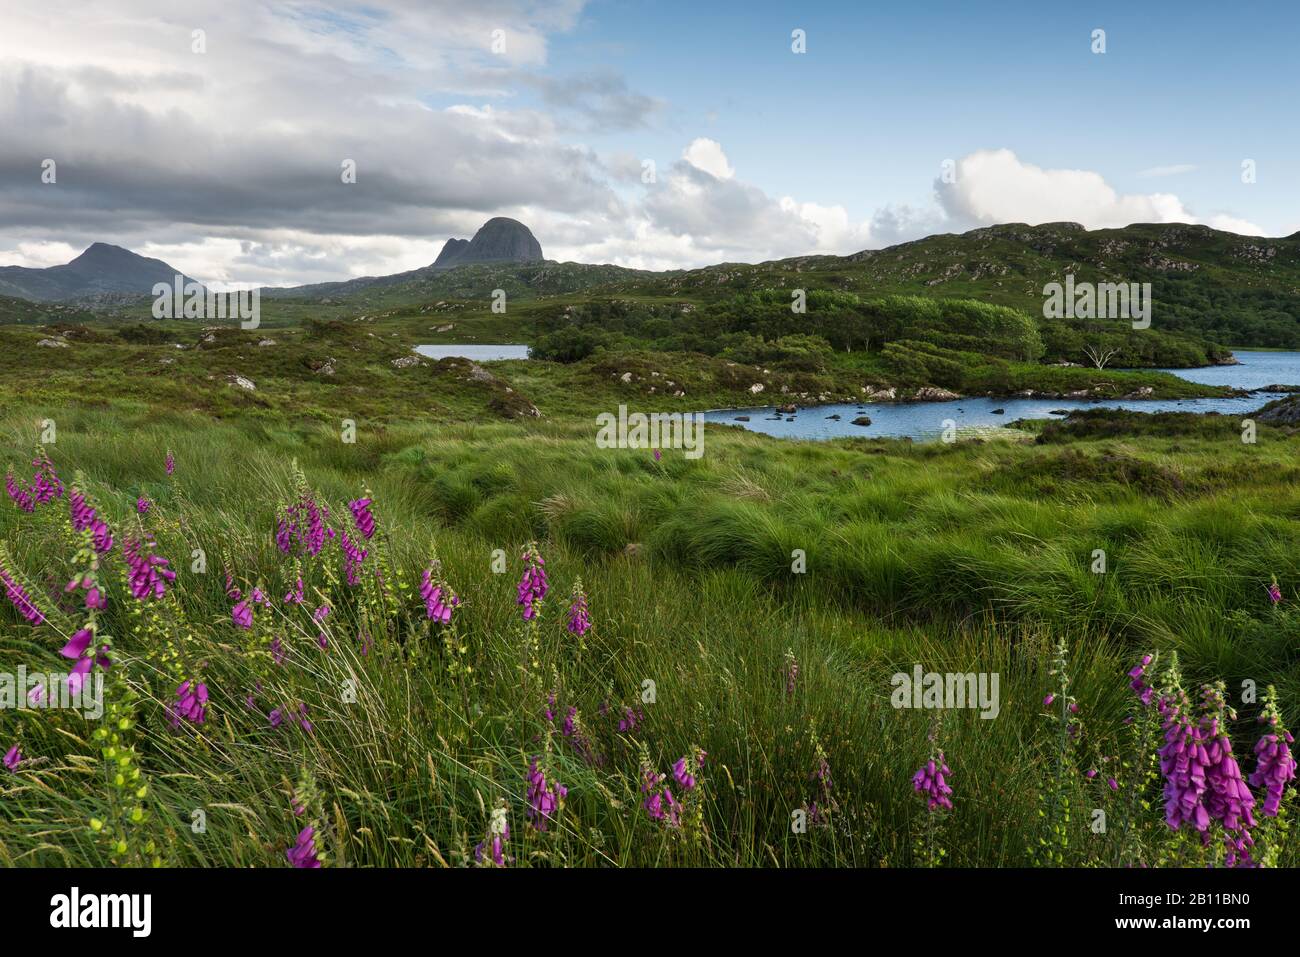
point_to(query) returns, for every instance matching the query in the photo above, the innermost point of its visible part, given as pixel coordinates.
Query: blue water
(925, 420)
(483, 353)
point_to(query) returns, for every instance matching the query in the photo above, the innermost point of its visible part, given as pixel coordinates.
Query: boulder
(1281, 411)
(933, 393)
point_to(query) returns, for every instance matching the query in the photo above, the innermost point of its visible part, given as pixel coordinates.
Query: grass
(970, 557)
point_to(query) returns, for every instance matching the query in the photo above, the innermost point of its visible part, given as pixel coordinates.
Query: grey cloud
(603, 101)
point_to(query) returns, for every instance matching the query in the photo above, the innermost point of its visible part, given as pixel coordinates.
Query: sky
(213, 134)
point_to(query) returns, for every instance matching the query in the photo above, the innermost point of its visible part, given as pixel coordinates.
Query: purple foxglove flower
(1144, 691)
(579, 623)
(13, 758)
(931, 781)
(362, 516)
(439, 600)
(353, 556)
(532, 586)
(683, 777)
(19, 598)
(242, 615)
(77, 644)
(303, 854)
(19, 493)
(149, 574)
(630, 720)
(651, 783)
(191, 704)
(544, 800)
(1274, 768)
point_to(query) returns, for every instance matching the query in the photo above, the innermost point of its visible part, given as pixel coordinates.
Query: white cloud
(1234, 224)
(39, 254)
(995, 186)
(1158, 171)
(706, 154)
(154, 141)
(227, 163)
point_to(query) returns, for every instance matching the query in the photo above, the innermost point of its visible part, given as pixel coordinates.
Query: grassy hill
(1214, 286)
(1222, 287)
(25, 312)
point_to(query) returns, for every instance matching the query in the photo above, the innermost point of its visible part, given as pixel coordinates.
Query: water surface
(478, 353)
(925, 420)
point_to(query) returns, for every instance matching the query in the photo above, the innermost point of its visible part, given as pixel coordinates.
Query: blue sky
(886, 91)
(225, 162)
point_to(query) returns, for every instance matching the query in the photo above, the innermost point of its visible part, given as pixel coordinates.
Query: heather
(432, 646)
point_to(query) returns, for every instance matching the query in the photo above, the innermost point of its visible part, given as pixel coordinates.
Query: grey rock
(500, 239)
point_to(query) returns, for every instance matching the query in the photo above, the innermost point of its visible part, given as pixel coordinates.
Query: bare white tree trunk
(1099, 356)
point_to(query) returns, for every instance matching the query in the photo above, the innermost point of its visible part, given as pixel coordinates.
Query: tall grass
(930, 555)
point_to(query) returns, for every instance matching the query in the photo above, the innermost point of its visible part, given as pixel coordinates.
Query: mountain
(99, 270)
(451, 252)
(504, 254)
(1232, 289)
(498, 240)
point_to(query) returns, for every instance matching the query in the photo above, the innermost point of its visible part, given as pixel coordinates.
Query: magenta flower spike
(579, 621)
(19, 598)
(533, 585)
(931, 782)
(303, 854)
(544, 799)
(362, 516)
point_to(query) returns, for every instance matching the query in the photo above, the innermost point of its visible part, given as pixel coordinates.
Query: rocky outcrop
(1281, 412)
(498, 240)
(932, 393)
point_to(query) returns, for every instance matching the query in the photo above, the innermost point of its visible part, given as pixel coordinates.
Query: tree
(1099, 355)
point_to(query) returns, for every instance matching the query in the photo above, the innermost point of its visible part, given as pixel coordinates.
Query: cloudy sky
(656, 134)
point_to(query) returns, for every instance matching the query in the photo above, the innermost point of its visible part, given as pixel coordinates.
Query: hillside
(1216, 286)
(1233, 289)
(1227, 288)
(477, 281)
(27, 312)
(101, 269)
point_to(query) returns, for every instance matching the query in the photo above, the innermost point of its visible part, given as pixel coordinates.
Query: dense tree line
(914, 335)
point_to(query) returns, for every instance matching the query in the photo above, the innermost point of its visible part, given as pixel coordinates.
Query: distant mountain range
(101, 269)
(499, 241)
(106, 270)
(1235, 288)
